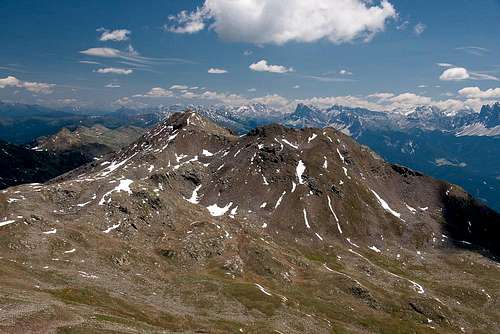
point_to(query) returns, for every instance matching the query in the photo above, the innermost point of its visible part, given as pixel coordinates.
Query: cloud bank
(477, 93)
(469, 98)
(34, 87)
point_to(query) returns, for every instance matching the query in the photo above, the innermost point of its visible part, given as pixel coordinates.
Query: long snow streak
(386, 206)
(334, 215)
(7, 222)
(290, 144)
(341, 156)
(114, 227)
(263, 290)
(331, 208)
(279, 200)
(305, 219)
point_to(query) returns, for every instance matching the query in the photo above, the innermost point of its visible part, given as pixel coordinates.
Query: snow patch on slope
(217, 211)
(386, 206)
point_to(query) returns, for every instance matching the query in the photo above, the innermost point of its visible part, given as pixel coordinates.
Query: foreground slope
(195, 229)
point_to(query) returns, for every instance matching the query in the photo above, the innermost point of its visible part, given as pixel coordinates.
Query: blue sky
(382, 55)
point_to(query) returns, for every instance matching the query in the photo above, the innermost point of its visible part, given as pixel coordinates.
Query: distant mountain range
(462, 147)
(354, 121)
(349, 120)
(22, 124)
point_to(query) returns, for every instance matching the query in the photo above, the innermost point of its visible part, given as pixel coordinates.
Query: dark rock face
(471, 224)
(490, 115)
(405, 171)
(20, 165)
(193, 229)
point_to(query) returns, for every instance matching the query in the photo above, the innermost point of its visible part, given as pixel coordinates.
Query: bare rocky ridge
(89, 141)
(194, 229)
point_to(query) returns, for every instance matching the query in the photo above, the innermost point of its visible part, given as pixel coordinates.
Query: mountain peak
(191, 120)
(490, 115)
(270, 130)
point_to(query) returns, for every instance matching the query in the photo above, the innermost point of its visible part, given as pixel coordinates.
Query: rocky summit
(194, 229)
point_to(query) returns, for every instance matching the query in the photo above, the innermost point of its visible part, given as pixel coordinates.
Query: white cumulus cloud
(349, 101)
(410, 99)
(118, 35)
(381, 96)
(263, 66)
(282, 21)
(188, 23)
(128, 102)
(34, 87)
(455, 74)
(158, 92)
(273, 100)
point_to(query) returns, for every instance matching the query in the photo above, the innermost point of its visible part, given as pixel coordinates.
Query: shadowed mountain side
(471, 224)
(19, 165)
